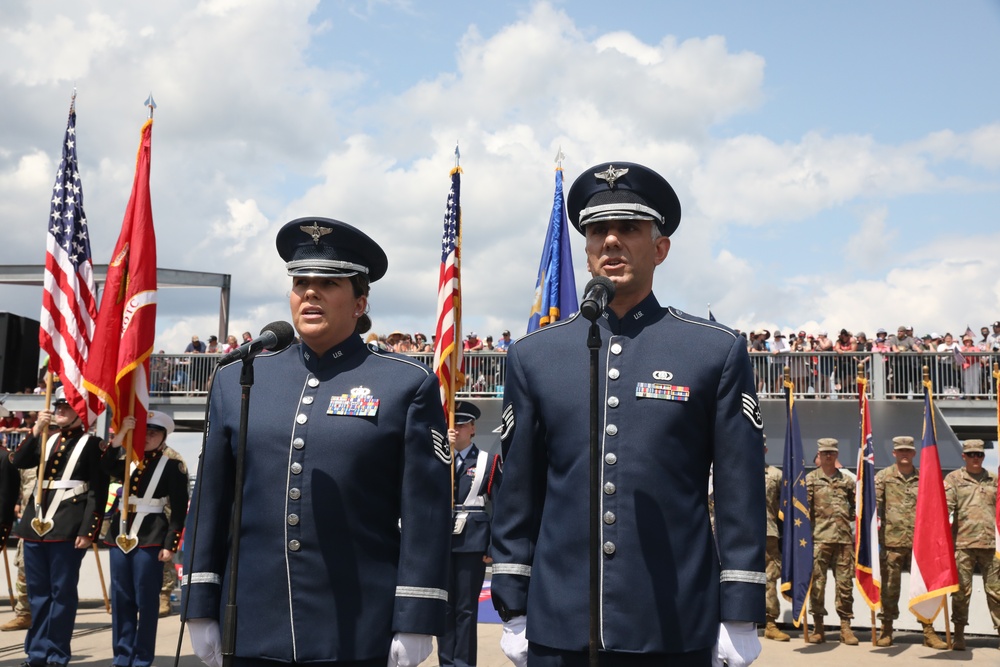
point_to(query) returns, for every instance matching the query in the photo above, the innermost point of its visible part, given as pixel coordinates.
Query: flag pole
(458, 312)
(40, 482)
(790, 388)
(123, 541)
(862, 392)
(100, 575)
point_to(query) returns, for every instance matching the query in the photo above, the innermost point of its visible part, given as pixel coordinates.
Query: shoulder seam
(404, 360)
(708, 325)
(549, 327)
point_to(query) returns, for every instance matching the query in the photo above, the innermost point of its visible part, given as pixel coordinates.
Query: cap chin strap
(324, 267)
(622, 211)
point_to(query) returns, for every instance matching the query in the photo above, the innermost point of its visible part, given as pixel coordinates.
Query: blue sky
(837, 165)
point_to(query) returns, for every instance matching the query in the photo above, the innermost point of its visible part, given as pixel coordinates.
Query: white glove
(738, 644)
(206, 640)
(513, 643)
(409, 650)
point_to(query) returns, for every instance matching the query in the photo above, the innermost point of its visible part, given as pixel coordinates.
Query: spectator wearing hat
(846, 363)
(972, 367)
(348, 490)
(148, 539)
(472, 342)
(758, 348)
(896, 504)
(504, 342)
(213, 345)
(58, 528)
(992, 342)
(831, 510)
(948, 367)
(906, 375)
(669, 593)
(474, 474)
(971, 493)
(823, 346)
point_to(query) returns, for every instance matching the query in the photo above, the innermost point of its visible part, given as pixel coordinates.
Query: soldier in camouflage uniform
(831, 508)
(972, 502)
(896, 501)
(169, 570)
(772, 495)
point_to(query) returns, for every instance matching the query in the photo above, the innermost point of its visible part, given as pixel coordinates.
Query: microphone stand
(229, 621)
(594, 345)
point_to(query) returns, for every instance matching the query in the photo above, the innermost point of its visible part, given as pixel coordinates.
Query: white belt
(72, 487)
(153, 506)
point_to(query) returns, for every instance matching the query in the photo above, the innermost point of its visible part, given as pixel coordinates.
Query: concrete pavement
(92, 647)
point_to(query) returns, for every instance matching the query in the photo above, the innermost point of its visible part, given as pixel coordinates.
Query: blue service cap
(466, 412)
(326, 247)
(623, 191)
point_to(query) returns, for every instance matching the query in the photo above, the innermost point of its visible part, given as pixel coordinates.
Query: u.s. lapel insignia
(752, 411)
(442, 450)
(665, 392)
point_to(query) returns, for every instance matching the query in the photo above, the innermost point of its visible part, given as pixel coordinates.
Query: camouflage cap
(972, 446)
(827, 445)
(902, 442)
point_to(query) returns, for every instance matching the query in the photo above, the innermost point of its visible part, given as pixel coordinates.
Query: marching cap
(59, 396)
(902, 442)
(623, 191)
(326, 247)
(160, 420)
(466, 412)
(973, 446)
(827, 445)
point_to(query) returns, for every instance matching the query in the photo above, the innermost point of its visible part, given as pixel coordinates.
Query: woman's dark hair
(362, 287)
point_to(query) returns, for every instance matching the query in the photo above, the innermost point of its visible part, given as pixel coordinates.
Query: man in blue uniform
(58, 531)
(677, 394)
(475, 474)
(346, 510)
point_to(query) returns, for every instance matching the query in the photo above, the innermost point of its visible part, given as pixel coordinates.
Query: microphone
(596, 296)
(275, 336)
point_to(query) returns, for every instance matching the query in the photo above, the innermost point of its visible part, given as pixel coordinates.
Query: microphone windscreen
(283, 332)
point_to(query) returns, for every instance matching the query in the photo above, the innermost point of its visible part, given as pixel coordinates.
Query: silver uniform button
(611, 429)
(308, 400)
(613, 401)
(611, 458)
(609, 548)
(301, 418)
(298, 443)
(609, 518)
(294, 494)
(296, 468)
(613, 373)
(609, 488)
(616, 349)
(294, 545)
(293, 519)
(313, 382)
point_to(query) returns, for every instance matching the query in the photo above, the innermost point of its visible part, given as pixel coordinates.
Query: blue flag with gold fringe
(555, 290)
(797, 551)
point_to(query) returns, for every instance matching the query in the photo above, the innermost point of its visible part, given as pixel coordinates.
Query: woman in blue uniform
(161, 483)
(345, 523)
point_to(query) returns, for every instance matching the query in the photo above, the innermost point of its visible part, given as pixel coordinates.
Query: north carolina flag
(555, 290)
(932, 573)
(797, 551)
(867, 573)
(118, 368)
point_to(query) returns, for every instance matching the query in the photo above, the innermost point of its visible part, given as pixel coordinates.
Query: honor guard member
(831, 508)
(58, 530)
(346, 524)
(896, 504)
(152, 538)
(772, 494)
(470, 540)
(677, 393)
(972, 504)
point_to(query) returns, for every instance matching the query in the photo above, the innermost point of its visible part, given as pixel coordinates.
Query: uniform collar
(646, 312)
(72, 432)
(332, 357)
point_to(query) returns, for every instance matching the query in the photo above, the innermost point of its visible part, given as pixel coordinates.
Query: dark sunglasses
(975, 455)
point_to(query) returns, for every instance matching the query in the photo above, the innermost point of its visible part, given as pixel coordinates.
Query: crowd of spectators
(417, 343)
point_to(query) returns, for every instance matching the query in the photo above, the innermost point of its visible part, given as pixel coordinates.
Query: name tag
(353, 406)
(666, 392)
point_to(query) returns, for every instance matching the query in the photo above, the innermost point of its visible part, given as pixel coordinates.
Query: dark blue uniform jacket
(676, 393)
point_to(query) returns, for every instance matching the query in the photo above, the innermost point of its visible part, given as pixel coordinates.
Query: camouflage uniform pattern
(896, 504)
(772, 496)
(831, 508)
(972, 506)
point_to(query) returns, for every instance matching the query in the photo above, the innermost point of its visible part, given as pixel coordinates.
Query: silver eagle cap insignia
(315, 231)
(610, 175)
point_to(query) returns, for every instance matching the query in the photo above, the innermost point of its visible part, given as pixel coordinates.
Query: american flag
(447, 346)
(69, 305)
(867, 572)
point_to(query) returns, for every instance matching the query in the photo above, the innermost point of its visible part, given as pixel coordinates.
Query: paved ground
(92, 647)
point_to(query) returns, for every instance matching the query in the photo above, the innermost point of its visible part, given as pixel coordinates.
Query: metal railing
(826, 375)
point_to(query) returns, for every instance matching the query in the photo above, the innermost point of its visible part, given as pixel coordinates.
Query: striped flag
(69, 301)
(867, 573)
(555, 290)
(932, 572)
(126, 325)
(448, 340)
(793, 510)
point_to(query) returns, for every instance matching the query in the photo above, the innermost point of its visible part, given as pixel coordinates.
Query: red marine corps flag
(118, 369)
